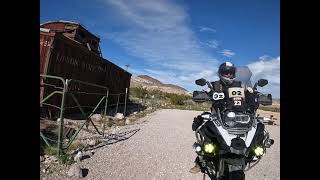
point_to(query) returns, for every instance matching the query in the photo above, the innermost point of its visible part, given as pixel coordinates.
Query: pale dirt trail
(162, 149)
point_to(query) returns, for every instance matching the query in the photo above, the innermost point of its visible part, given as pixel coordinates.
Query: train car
(70, 51)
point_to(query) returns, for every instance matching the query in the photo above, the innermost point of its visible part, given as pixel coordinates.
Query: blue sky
(179, 41)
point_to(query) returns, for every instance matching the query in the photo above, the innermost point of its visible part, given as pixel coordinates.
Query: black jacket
(227, 102)
(249, 103)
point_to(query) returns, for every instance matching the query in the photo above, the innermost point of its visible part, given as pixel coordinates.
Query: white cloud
(264, 57)
(202, 28)
(227, 53)
(268, 68)
(158, 32)
(212, 43)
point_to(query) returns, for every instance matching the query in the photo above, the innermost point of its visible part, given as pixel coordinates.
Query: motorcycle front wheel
(235, 175)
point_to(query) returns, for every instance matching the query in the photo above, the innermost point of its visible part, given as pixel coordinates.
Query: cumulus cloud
(227, 53)
(267, 68)
(158, 33)
(212, 44)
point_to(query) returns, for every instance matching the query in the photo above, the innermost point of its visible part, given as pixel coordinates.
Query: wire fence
(67, 101)
(59, 98)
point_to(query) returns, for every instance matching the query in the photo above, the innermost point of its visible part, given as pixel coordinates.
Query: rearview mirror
(262, 82)
(201, 82)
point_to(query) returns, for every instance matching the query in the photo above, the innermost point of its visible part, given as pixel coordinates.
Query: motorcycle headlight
(231, 115)
(229, 120)
(258, 151)
(209, 148)
(230, 123)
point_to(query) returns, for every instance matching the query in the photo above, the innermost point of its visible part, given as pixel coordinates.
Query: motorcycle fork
(220, 171)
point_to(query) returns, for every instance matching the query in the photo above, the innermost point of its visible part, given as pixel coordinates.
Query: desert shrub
(176, 99)
(139, 92)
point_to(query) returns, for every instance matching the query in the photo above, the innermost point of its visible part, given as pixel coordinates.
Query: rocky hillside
(154, 84)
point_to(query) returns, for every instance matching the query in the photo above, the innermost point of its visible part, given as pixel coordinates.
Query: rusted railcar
(70, 51)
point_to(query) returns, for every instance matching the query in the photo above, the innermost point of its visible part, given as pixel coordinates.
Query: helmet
(227, 72)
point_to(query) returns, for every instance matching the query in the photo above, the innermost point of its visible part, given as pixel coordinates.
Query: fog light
(258, 151)
(209, 148)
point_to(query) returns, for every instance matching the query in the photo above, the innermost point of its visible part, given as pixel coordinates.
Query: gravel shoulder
(162, 149)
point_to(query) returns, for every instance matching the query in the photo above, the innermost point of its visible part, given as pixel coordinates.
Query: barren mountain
(154, 84)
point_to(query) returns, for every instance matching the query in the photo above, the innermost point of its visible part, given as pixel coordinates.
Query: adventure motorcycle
(230, 140)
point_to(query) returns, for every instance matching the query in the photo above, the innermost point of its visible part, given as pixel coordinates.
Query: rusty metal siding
(46, 40)
(71, 60)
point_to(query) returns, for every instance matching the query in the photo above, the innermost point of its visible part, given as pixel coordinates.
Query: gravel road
(162, 149)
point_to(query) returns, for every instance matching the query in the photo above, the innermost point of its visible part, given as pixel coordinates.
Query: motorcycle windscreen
(243, 74)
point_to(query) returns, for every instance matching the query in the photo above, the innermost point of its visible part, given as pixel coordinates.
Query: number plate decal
(236, 92)
(237, 103)
(218, 96)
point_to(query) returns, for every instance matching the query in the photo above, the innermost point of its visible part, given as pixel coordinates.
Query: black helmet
(227, 72)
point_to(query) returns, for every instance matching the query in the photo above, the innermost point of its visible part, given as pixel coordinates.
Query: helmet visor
(230, 73)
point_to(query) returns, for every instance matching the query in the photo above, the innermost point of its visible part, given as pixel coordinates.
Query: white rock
(96, 117)
(135, 112)
(119, 116)
(41, 158)
(92, 142)
(53, 158)
(78, 157)
(59, 120)
(75, 171)
(127, 121)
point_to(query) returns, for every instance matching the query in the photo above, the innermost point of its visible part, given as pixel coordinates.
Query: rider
(227, 74)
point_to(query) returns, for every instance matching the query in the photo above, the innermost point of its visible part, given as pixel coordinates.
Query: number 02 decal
(237, 103)
(236, 92)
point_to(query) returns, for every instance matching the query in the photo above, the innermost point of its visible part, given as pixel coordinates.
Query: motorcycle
(231, 140)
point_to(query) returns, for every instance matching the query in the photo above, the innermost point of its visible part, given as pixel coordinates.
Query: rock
(92, 142)
(78, 157)
(119, 116)
(135, 112)
(75, 171)
(88, 153)
(114, 130)
(96, 117)
(127, 121)
(41, 158)
(53, 159)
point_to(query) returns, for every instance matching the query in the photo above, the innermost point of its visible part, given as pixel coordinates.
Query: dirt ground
(276, 115)
(162, 149)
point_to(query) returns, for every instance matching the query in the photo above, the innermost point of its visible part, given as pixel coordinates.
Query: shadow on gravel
(114, 138)
(85, 172)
